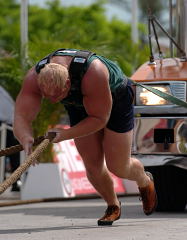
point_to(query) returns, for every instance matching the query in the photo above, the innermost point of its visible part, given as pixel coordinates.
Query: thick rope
(19, 148)
(23, 167)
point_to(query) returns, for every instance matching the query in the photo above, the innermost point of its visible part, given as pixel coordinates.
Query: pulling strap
(163, 95)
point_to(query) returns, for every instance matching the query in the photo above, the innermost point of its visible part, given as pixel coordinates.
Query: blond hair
(53, 75)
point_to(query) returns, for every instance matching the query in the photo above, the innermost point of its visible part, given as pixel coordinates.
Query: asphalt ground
(77, 220)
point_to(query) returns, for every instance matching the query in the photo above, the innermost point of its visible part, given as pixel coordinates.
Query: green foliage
(56, 26)
(48, 117)
(10, 74)
(9, 25)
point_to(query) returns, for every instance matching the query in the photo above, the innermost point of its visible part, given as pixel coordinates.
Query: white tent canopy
(6, 119)
(6, 107)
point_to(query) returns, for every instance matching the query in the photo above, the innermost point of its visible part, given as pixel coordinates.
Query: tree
(9, 25)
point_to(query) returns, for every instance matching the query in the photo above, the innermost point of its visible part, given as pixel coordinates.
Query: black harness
(77, 69)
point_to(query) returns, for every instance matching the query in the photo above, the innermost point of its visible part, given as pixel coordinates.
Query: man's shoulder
(97, 66)
(30, 81)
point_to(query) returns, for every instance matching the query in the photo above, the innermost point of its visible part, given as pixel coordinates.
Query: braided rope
(19, 148)
(23, 167)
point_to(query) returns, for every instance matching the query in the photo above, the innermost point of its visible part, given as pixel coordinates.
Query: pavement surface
(77, 220)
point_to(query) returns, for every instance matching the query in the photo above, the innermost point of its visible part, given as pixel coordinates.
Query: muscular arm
(97, 101)
(27, 106)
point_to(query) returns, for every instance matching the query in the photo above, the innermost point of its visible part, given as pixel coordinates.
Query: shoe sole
(107, 223)
(156, 199)
(156, 203)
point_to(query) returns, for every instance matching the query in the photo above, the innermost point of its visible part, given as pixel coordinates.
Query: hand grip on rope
(19, 147)
(30, 159)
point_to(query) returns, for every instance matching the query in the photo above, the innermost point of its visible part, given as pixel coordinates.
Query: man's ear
(68, 84)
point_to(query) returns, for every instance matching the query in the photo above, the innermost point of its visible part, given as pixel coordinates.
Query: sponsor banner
(73, 174)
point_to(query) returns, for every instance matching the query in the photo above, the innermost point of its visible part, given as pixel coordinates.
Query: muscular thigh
(91, 149)
(117, 148)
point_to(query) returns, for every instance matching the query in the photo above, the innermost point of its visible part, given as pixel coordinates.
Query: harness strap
(41, 64)
(78, 67)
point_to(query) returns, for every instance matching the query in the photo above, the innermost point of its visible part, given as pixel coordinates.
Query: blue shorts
(122, 115)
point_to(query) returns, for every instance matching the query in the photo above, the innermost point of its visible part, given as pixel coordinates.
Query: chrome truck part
(160, 143)
(160, 133)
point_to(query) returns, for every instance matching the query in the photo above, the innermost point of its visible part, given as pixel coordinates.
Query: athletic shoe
(148, 196)
(112, 213)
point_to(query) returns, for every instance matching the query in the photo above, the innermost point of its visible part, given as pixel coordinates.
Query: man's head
(53, 81)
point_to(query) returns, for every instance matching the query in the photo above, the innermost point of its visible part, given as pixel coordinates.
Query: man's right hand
(27, 143)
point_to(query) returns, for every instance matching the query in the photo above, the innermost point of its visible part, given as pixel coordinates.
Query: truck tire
(171, 187)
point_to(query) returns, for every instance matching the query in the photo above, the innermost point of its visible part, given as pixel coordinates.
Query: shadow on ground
(90, 211)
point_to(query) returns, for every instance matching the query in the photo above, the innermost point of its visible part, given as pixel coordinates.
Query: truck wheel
(171, 187)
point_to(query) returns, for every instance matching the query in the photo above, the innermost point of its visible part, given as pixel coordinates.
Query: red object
(74, 179)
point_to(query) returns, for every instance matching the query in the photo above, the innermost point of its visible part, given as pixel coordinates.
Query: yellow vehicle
(160, 135)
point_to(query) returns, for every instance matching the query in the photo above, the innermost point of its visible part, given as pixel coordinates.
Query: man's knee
(121, 172)
(94, 168)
